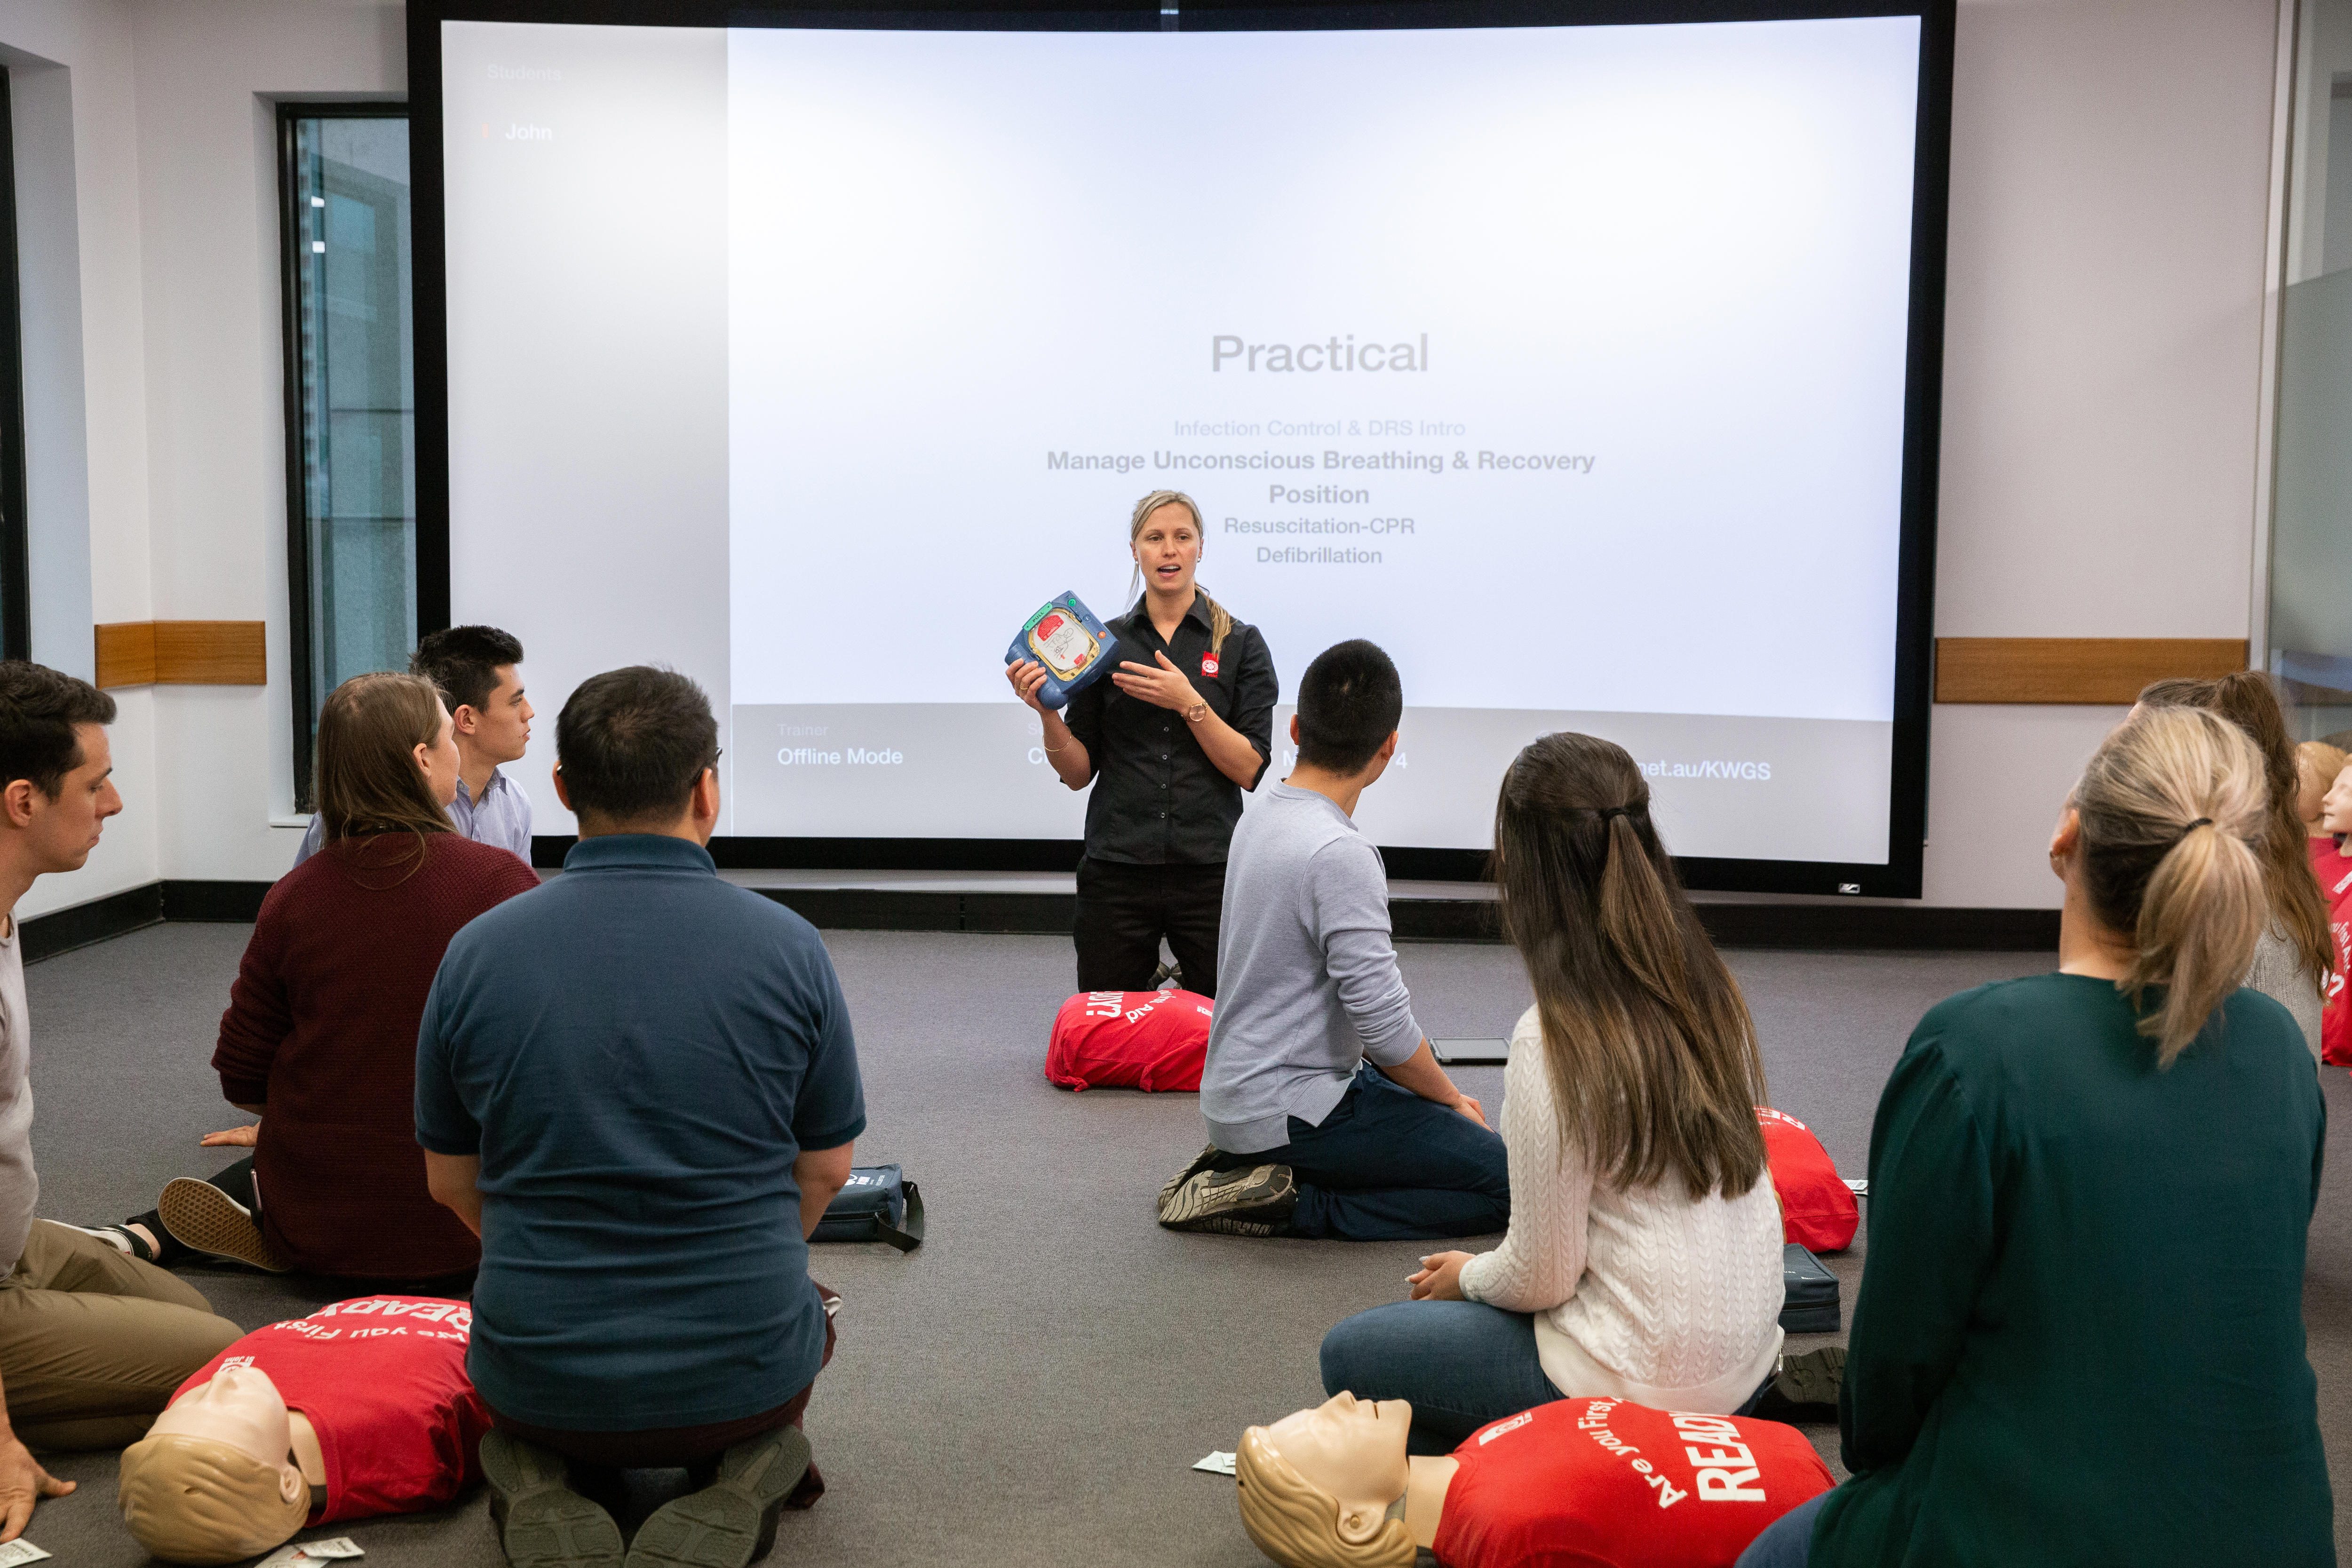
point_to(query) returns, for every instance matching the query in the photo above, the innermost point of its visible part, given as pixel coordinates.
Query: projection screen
(1589, 367)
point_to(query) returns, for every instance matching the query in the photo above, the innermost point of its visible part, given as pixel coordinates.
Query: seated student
(360, 1409)
(638, 1085)
(2089, 1193)
(1644, 1256)
(1327, 1112)
(1598, 1483)
(477, 671)
(2296, 959)
(320, 1030)
(91, 1343)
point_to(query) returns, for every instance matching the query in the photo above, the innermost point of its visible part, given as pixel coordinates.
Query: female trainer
(1181, 728)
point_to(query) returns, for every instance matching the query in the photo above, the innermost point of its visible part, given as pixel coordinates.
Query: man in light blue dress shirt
(479, 671)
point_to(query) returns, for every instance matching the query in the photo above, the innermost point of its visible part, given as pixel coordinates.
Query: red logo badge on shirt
(1208, 664)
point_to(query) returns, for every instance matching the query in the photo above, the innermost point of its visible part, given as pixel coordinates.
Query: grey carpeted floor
(1032, 1385)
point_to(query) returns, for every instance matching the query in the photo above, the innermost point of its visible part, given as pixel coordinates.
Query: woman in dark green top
(2079, 1337)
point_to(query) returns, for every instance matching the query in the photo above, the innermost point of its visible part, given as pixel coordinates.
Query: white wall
(73, 115)
(2110, 168)
(2110, 172)
(153, 379)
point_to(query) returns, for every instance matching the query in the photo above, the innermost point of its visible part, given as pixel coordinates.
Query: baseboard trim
(117, 914)
(200, 900)
(1758, 926)
(1875, 927)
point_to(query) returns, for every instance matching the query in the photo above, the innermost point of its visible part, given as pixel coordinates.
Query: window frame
(299, 632)
(16, 530)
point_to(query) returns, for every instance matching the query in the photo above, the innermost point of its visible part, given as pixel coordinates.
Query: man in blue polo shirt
(638, 1084)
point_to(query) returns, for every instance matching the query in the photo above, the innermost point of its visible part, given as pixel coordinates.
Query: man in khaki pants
(92, 1341)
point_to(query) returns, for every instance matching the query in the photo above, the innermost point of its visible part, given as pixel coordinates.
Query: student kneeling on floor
(638, 1084)
(1328, 1115)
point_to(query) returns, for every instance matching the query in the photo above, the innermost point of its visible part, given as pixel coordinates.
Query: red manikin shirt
(1130, 1039)
(383, 1379)
(1601, 1483)
(1817, 1210)
(2334, 870)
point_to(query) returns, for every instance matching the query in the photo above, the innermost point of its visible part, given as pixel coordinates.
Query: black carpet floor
(1032, 1385)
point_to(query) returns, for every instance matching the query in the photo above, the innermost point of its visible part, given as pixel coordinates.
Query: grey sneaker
(1206, 1159)
(1806, 1389)
(732, 1523)
(1259, 1196)
(541, 1521)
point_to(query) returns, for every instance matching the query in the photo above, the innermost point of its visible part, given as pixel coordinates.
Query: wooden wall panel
(2095, 670)
(126, 654)
(182, 653)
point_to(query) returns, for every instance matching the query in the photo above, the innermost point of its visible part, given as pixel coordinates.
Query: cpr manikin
(383, 1420)
(1602, 1481)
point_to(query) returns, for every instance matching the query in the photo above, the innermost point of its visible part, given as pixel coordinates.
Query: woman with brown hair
(319, 1038)
(2295, 953)
(1643, 1256)
(2079, 1336)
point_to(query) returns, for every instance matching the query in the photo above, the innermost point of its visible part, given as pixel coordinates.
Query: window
(351, 401)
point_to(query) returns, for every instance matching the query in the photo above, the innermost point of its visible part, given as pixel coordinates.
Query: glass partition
(2310, 621)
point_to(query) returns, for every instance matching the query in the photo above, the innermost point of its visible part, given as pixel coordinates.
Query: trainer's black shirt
(1158, 799)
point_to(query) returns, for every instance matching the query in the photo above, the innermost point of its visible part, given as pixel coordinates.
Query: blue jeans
(1388, 1165)
(1461, 1364)
(1788, 1540)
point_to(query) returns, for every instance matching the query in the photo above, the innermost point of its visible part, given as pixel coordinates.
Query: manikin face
(1354, 1449)
(499, 728)
(2310, 790)
(2336, 806)
(1168, 548)
(238, 1406)
(437, 760)
(65, 830)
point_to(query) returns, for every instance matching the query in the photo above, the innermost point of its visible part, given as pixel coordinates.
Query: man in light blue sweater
(1327, 1112)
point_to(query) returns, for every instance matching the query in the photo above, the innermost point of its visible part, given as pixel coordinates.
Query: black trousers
(1123, 911)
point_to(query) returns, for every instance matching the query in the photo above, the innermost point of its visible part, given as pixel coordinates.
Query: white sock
(114, 1235)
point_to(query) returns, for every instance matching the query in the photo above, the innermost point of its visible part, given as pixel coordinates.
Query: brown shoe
(206, 1219)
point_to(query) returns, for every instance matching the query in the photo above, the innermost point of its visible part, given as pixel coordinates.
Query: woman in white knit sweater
(1643, 1254)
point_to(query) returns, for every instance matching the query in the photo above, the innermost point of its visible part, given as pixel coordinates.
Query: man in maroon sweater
(92, 1342)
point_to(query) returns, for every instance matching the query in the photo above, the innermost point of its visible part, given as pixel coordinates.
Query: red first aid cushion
(383, 1379)
(1817, 1210)
(1607, 1484)
(1130, 1039)
(2334, 870)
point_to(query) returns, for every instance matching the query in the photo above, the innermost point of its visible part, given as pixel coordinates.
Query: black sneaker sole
(541, 1521)
(1807, 1386)
(1206, 1159)
(732, 1523)
(1215, 1200)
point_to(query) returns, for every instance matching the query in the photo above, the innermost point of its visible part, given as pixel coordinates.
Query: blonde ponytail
(2173, 811)
(1220, 622)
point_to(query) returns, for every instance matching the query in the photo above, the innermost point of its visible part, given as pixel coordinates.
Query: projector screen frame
(1899, 877)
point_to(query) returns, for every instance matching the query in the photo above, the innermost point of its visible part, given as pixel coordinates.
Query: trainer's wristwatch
(1195, 713)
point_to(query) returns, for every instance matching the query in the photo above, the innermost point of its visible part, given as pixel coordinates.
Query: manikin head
(1317, 1486)
(213, 1479)
(2316, 765)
